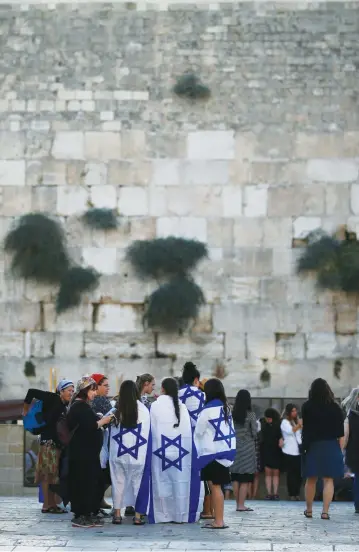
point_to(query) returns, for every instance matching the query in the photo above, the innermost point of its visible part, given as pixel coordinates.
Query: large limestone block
(302, 226)
(69, 345)
(78, 319)
(43, 199)
(15, 201)
(71, 200)
(315, 319)
(182, 227)
(248, 232)
(102, 146)
(246, 145)
(220, 232)
(133, 144)
(211, 144)
(190, 346)
(252, 318)
(11, 289)
(204, 173)
(14, 384)
(102, 259)
(242, 290)
(337, 199)
(203, 201)
(19, 317)
(290, 346)
(354, 198)
(68, 145)
(125, 345)
(103, 197)
(255, 201)
(235, 345)
(333, 170)
(12, 173)
(277, 232)
(129, 173)
(273, 290)
(232, 201)
(253, 262)
(133, 201)
(12, 344)
(274, 144)
(46, 172)
(261, 346)
(274, 172)
(203, 323)
(321, 345)
(346, 314)
(118, 319)
(166, 172)
(42, 344)
(327, 145)
(96, 174)
(12, 145)
(283, 263)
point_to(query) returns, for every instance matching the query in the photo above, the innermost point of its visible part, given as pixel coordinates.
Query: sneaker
(82, 521)
(130, 511)
(97, 521)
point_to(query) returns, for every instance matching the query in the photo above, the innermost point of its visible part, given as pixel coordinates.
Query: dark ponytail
(170, 387)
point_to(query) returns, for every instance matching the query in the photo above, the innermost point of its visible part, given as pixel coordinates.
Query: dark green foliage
(165, 256)
(30, 369)
(335, 263)
(173, 305)
(101, 219)
(75, 282)
(37, 243)
(189, 86)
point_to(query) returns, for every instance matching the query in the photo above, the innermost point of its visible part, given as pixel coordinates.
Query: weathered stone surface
(255, 201)
(102, 146)
(211, 144)
(133, 201)
(102, 259)
(302, 226)
(185, 227)
(68, 145)
(15, 201)
(126, 345)
(12, 344)
(315, 319)
(243, 290)
(321, 345)
(261, 346)
(333, 170)
(235, 346)
(189, 347)
(119, 318)
(12, 173)
(232, 201)
(69, 345)
(103, 197)
(71, 200)
(74, 320)
(12, 145)
(42, 344)
(290, 346)
(327, 145)
(252, 318)
(19, 317)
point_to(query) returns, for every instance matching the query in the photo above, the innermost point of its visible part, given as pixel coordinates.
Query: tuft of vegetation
(173, 305)
(334, 262)
(165, 256)
(29, 369)
(190, 86)
(75, 282)
(37, 244)
(101, 219)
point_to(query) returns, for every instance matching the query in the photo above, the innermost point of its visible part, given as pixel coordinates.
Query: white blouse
(292, 439)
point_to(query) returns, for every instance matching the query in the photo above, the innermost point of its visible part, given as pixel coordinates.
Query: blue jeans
(356, 491)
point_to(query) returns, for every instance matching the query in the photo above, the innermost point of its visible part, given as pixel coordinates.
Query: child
(272, 442)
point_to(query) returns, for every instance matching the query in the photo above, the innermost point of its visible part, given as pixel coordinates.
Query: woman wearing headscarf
(47, 467)
(351, 440)
(85, 473)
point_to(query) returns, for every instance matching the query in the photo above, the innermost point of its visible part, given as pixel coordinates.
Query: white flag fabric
(193, 399)
(214, 437)
(129, 454)
(177, 491)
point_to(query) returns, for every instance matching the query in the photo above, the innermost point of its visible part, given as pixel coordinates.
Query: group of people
(171, 458)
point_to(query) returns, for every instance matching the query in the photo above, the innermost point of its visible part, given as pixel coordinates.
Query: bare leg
(207, 506)
(218, 504)
(255, 485)
(250, 491)
(275, 481)
(52, 499)
(45, 491)
(328, 492)
(236, 492)
(268, 480)
(242, 495)
(310, 488)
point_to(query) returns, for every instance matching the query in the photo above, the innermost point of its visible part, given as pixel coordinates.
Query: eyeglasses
(105, 385)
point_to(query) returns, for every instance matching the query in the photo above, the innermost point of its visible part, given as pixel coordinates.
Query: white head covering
(64, 384)
(351, 401)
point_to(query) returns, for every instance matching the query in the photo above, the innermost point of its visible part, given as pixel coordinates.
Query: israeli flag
(177, 491)
(193, 399)
(214, 437)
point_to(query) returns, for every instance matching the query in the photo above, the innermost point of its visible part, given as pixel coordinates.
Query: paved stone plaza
(276, 527)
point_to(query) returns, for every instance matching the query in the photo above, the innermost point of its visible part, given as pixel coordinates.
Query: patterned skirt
(47, 468)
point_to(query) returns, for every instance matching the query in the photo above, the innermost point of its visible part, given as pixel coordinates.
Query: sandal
(211, 526)
(45, 510)
(206, 516)
(117, 520)
(325, 515)
(245, 510)
(56, 510)
(308, 515)
(138, 521)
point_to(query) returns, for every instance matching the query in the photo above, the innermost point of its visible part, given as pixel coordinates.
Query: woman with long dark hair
(271, 444)
(129, 452)
(291, 428)
(85, 479)
(145, 384)
(323, 441)
(245, 463)
(215, 441)
(176, 482)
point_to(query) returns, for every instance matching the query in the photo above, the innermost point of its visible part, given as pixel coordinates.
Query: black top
(53, 408)
(321, 422)
(87, 436)
(352, 450)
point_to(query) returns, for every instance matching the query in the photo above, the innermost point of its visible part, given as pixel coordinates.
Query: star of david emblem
(220, 436)
(133, 450)
(198, 394)
(161, 452)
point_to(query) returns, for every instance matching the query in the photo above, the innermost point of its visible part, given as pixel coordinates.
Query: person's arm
(37, 394)
(253, 425)
(346, 432)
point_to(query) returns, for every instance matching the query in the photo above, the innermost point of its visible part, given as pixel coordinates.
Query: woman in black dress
(322, 441)
(85, 474)
(271, 437)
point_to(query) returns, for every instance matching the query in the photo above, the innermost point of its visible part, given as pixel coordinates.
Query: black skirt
(216, 473)
(243, 477)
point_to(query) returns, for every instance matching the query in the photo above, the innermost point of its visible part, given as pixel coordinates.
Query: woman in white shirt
(291, 428)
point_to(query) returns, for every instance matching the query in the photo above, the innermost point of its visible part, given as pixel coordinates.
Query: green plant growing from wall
(169, 261)
(101, 219)
(75, 282)
(190, 86)
(37, 245)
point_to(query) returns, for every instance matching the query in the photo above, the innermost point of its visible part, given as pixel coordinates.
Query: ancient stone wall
(88, 117)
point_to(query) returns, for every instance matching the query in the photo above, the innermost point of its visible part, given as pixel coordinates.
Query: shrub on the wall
(165, 257)
(173, 305)
(75, 282)
(37, 245)
(333, 262)
(101, 219)
(190, 86)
